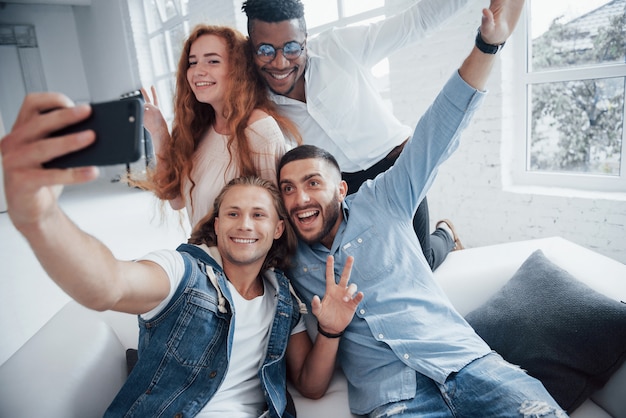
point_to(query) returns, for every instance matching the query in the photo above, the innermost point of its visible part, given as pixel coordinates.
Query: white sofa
(76, 363)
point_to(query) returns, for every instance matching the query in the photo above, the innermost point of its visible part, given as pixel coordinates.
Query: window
(325, 14)
(573, 88)
(160, 28)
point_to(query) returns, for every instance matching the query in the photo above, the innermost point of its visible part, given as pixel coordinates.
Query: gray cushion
(561, 331)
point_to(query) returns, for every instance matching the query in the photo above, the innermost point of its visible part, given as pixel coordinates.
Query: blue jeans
(487, 387)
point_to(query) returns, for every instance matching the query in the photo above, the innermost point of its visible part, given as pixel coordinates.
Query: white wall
(58, 43)
(3, 202)
(469, 186)
(107, 49)
(86, 51)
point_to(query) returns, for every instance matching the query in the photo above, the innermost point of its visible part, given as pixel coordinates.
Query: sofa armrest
(612, 397)
(72, 367)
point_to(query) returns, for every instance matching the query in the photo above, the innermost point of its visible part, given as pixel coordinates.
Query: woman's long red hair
(246, 92)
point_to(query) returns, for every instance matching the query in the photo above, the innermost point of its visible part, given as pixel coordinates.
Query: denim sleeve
(435, 137)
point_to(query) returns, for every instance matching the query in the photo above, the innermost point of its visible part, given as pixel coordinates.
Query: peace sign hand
(335, 311)
(153, 119)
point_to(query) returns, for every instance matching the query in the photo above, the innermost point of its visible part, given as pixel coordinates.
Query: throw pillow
(557, 328)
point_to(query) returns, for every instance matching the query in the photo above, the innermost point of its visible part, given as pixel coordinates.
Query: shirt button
(406, 356)
(381, 336)
(360, 240)
(305, 269)
(362, 311)
(213, 374)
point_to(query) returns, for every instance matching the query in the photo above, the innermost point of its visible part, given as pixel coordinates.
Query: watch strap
(328, 334)
(485, 47)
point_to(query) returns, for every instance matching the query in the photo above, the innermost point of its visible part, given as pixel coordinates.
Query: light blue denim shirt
(405, 323)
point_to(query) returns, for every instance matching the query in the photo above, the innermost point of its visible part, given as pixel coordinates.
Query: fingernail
(85, 136)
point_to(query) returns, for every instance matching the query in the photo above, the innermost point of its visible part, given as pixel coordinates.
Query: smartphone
(118, 125)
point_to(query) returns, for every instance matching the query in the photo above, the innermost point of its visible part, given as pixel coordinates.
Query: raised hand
(153, 119)
(335, 311)
(499, 20)
(497, 24)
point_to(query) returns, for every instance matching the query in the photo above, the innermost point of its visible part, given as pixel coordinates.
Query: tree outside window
(575, 90)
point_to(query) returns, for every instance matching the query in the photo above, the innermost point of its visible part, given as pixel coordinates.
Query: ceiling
(54, 2)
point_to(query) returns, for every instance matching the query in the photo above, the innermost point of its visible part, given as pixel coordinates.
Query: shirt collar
(346, 210)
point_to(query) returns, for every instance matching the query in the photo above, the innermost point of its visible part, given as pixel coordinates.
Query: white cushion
(72, 367)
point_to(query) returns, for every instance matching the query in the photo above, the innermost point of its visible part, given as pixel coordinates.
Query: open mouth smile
(281, 76)
(307, 216)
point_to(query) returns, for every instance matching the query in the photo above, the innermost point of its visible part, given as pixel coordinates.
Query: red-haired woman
(224, 124)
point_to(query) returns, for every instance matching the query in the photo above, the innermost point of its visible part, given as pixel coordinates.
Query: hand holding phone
(118, 125)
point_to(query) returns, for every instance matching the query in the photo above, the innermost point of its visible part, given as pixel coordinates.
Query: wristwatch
(485, 47)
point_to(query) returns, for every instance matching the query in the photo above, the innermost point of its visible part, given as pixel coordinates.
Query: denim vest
(184, 350)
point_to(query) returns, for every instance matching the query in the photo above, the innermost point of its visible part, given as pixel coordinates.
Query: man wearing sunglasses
(324, 84)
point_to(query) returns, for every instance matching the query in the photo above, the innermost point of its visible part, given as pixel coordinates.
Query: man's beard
(331, 214)
(282, 93)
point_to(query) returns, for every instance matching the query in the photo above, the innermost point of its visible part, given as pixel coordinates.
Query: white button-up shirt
(344, 113)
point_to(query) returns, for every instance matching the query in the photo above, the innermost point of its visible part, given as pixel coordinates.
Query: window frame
(165, 83)
(521, 112)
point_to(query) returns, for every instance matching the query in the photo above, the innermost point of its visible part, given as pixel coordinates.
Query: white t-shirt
(241, 390)
(240, 395)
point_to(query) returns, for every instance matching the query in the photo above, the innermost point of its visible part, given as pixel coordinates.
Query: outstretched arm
(498, 22)
(310, 367)
(81, 265)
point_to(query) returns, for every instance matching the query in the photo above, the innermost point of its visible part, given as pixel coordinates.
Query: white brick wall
(468, 189)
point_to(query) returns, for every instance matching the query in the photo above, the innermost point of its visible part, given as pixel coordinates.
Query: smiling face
(246, 226)
(207, 71)
(282, 76)
(312, 191)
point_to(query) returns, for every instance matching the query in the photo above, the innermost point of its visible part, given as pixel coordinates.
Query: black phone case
(119, 129)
